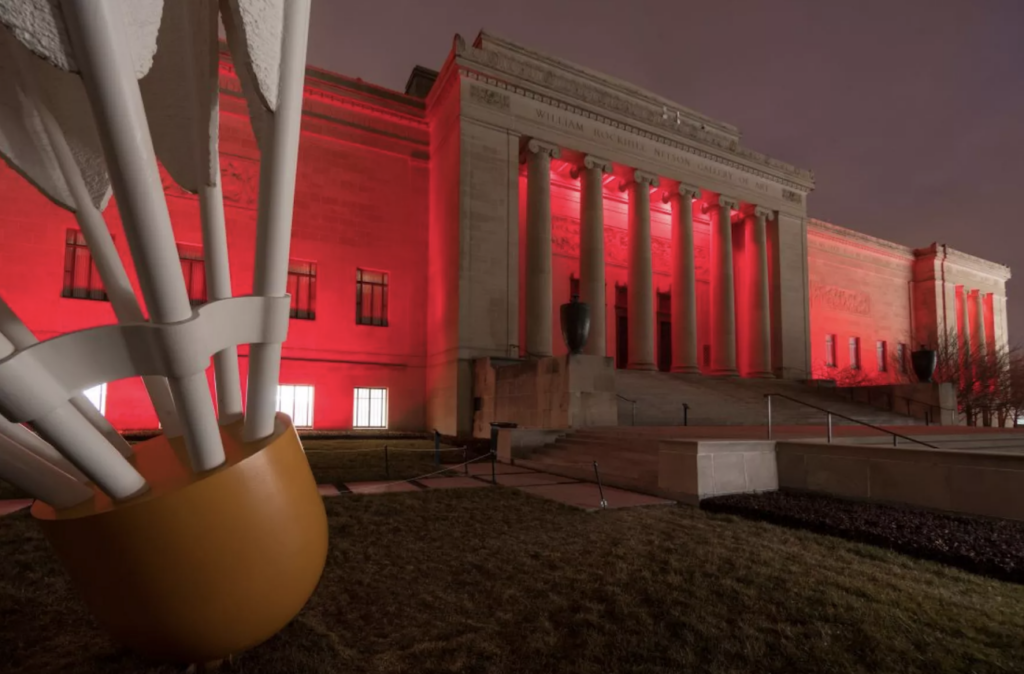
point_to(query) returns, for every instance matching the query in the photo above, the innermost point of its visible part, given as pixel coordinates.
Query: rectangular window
(574, 286)
(81, 278)
(194, 272)
(664, 305)
(854, 353)
(297, 402)
(302, 288)
(371, 298)
(97, 395)
(370, 408)
(882, 352)
(830, 350)
(901, 357)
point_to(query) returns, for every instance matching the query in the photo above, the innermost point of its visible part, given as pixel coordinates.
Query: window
(370, 409)
(192, 269)
(302, 288)
(81, 278)
(901, 357)
(574, 286)
(371, 298)
(97, 395)
(882, 352)
(297, 402)
(854, 353)
(664, 303)
(830, 350)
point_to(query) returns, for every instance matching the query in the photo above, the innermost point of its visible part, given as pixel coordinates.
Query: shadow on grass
(497, 581)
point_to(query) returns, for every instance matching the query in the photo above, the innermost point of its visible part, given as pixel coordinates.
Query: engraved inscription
(841, 300)
(790, 195)
(489, 97)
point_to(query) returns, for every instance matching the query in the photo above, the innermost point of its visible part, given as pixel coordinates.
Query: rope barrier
(420, 477)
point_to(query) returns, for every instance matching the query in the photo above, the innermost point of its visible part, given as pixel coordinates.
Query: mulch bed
(990, 547)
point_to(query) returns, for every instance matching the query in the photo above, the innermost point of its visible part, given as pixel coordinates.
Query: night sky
(909, 112)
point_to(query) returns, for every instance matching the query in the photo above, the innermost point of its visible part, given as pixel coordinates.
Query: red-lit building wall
(859, 288)
(360, 203)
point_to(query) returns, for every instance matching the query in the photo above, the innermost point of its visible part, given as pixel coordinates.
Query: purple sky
(909, 112)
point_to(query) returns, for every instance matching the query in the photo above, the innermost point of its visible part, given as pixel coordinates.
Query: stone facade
(470, 195)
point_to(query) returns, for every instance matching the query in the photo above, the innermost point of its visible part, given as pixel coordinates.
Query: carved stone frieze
(647, 113)
(565, 240)
(489, 97)
(842, 300)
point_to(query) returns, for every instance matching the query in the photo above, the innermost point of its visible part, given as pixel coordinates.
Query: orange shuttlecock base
(199, 567)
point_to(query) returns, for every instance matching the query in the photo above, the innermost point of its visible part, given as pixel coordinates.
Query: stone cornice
(849, 237)
(797, 189)
(559, 77)
(966, 261)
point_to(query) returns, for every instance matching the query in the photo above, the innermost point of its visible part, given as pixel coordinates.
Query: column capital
(762, 212)
(591, 162)
(641, 178)
(534, 146)
(684, 192)
(728, 202)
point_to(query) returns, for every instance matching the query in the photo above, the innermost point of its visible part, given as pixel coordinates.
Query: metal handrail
(829, 414)
(628, 400)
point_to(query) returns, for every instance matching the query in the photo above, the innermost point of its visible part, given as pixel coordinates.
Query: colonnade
(974, 337)
(639, 185)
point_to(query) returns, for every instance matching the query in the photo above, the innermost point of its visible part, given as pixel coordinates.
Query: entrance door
(664, 332)
(621, 328)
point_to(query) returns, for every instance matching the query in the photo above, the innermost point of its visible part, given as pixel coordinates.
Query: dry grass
(495, 581)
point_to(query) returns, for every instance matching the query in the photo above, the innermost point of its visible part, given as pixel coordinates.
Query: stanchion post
(494, 456)
(465, 460)
(600, 487)
(437, 447)
(387, 463)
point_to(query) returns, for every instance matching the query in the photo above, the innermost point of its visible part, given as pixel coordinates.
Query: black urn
(575, 324)
(924, 362)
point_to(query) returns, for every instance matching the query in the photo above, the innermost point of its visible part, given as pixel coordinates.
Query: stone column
(684, 281)
(759, 343)
(980, 346)
(641, 272)
(539, 288)
(591, 175)
(723, 300)
(965, 332)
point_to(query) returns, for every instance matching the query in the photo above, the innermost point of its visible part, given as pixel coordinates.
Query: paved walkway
(565, 490)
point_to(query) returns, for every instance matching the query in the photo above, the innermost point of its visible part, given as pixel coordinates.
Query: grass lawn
(493, 580)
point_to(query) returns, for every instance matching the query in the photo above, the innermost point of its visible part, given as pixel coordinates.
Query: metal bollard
(769, 399)
(829, 428)
(494, 456)
(600, 488)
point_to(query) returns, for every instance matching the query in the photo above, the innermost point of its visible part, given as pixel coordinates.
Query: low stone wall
(517, 443)
(547, 393)
(936, 402)
(968, 482)
(975, 483)
(691, 470)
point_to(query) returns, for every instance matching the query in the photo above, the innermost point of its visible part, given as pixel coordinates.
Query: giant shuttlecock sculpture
(208, 539)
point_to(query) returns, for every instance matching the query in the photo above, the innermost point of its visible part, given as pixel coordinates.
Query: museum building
(448, 223)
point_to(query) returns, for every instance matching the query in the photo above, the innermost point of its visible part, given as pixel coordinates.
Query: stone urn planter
(575, 317)
(924, 362)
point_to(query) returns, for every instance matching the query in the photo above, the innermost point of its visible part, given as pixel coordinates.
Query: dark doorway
(621, 327)
(664, 332)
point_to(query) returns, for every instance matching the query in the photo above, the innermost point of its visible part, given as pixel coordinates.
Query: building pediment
(628, 107)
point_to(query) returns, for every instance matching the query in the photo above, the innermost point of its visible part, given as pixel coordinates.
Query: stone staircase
(628, 456)
(731, 402)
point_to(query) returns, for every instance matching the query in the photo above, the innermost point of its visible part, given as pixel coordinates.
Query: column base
(724, 372)
(685, 369)
(645, 367)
